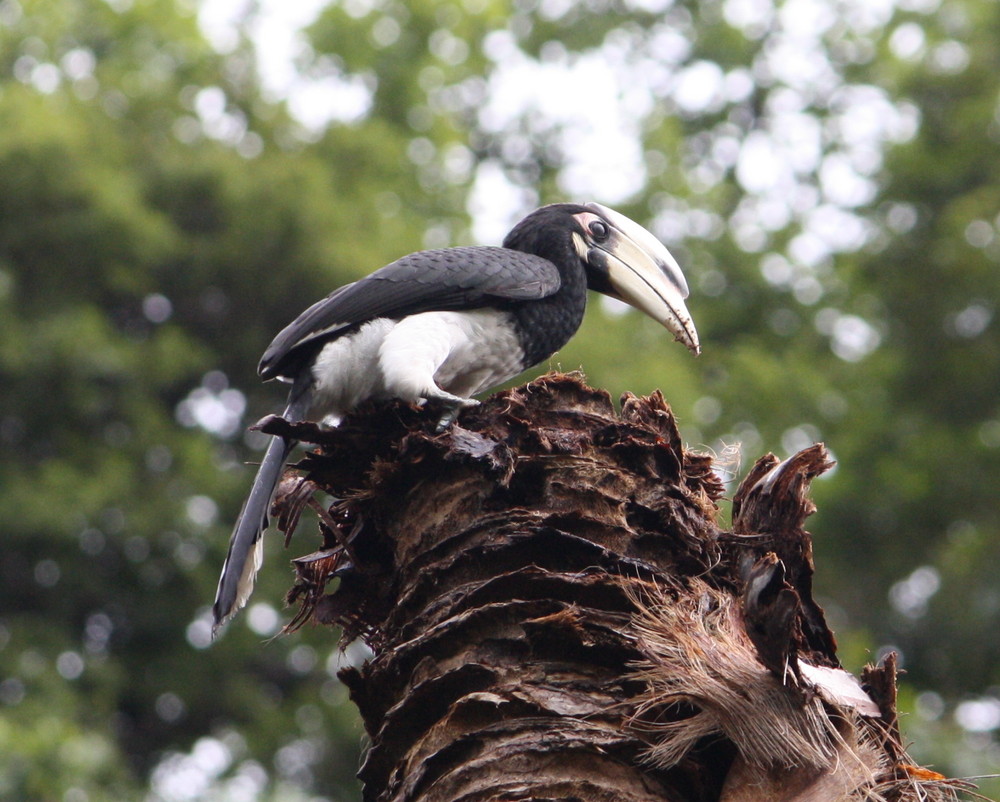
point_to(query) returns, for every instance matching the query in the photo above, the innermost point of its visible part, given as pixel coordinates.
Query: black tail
(246, 545)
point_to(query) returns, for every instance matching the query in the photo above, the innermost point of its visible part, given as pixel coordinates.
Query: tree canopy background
(178, 180)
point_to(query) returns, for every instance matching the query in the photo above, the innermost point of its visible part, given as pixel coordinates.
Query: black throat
(546, 325)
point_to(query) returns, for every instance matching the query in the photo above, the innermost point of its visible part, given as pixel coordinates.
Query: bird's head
(621, 259)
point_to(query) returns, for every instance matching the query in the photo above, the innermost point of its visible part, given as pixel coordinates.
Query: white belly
(346, 372)
(462, 353)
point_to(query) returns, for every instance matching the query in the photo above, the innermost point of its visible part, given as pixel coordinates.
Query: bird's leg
(450, 414)
(453, 405)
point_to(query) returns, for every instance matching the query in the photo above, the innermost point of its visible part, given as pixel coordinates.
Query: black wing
(426, 281)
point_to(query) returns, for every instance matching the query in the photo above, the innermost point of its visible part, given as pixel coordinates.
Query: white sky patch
(263, 619)
(218, 21)
(613, 307)
(495, 203)
(971, 321)
(866, 115)
(761, 167)
(799, 168)
(910, 596)
(798, 437)
(868, 16)
(650, 6)
(800, 138)
(700, 87)
(842, 184)
(802, 64)
(188, 777)
(216, 413)
(216, 121)
(839, 230)
(355, 654)
(950, 58)
(157, 308)
(318, 102)
(70, 665)
(979, 715)
(907, 41)
(202, 511)
(806, 19)
(670, 47)
(213, 406)
(199, 631)
(277, 32)
(275, 28)
(751, 16)
(853, 338)
(979, 233)
(593, 110)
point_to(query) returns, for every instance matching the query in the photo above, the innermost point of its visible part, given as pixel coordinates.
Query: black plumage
(449, 279)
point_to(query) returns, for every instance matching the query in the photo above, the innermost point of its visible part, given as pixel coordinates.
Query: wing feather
(426, 281)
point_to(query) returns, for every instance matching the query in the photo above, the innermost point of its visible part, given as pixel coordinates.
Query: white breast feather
(463, 353)
(347, 370)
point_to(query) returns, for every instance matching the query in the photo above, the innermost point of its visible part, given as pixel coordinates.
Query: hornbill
(444, 325)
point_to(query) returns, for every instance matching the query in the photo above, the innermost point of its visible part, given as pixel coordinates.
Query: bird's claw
(453, 408)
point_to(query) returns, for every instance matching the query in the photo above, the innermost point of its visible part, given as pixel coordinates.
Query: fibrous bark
(554, 613)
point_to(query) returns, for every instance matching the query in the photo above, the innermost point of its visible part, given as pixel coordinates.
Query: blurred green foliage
(827, 174)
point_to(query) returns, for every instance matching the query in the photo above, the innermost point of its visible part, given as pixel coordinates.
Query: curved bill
(642, 273)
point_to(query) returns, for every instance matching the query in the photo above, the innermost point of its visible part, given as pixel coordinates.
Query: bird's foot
(453, 406)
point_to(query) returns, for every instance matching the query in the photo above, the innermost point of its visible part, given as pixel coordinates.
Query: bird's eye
(600, 230)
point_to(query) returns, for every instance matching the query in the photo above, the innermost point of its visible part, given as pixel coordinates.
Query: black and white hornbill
(444, 325)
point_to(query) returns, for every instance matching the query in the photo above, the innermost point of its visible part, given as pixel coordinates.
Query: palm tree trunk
(555, 614)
